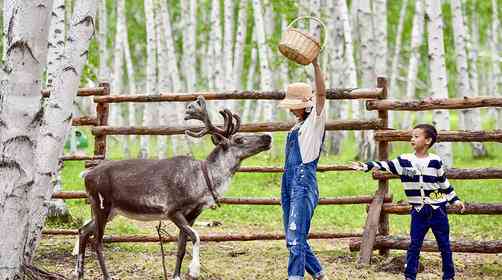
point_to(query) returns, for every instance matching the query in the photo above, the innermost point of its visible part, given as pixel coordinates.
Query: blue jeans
(421, 221)
(298, 202)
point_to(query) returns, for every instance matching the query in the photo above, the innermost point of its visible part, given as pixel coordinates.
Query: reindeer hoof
(194, 270)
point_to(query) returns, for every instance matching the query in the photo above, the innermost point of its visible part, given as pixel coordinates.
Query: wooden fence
(376, 230)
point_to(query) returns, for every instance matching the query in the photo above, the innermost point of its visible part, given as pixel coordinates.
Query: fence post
(374, 221)
(102, 110)
(383, 154)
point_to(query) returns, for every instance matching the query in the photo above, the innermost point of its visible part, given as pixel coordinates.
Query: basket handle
(315, 19)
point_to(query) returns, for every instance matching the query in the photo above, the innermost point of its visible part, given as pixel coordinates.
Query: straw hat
(298, 96)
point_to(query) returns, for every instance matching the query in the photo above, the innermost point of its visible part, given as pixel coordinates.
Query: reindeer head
(241, 146)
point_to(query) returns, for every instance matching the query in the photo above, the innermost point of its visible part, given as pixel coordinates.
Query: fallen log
(402, 243)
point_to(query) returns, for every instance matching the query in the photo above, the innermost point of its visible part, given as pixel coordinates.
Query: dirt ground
(253, 260)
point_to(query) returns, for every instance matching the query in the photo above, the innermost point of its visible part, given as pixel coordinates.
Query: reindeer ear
(218, 139)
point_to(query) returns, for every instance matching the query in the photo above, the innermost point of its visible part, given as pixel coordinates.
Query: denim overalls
(299, 198)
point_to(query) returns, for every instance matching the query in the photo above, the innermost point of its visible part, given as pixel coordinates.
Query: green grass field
(248, 219)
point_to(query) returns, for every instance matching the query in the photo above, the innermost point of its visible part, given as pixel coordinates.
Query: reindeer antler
(197, 110)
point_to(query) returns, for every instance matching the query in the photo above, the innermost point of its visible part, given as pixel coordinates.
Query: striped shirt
(423, 183)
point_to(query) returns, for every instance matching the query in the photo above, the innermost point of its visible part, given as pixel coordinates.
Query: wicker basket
(300, 46)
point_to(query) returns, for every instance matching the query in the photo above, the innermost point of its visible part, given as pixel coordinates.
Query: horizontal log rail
(402, 243)
(454, 173)
(222, 237)
(355, 93)
(74, 157)
(443, 136)
(96, 91)
(470, 208)
(423, 105)
(369, 124)
(84, 120)
(252, 200)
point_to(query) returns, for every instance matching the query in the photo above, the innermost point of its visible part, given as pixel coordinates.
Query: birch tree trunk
(367, 147)
(227, 50)
(335, 69)
(496, 79)
(151, 77)
(246, 112)
(20, 120)
(394, 71)
(416, 41)
(265, 72)
(173, 109)
(189, 11)
(104, 70)
(56, 207)
(438, 77)
(57, 116)
(474, 121)
(131, 81)
(240, 37)
(117, 83)
(350, 75)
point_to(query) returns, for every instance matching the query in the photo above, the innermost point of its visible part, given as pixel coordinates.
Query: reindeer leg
(183, 225)
(101, 217)
(182, 241)
(84, 233)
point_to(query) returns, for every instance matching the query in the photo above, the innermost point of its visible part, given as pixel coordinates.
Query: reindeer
(175, 189)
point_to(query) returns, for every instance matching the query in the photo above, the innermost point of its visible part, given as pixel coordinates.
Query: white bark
(151, 77)
(215, 40)
(58, 113)
(173, 112)
(265, 72)
(335, 68)
(240, 38)
(246, 112)
(417, 34)
(56, 40)
(164, 84)
(283, 68)
(189, 11)
(130, 79)
(57, 207)
(474, 121)
(380, 37)
(19, 126)
(496, 58)
(394, 71)
(104, 70)
(117, 83)
(367, 147)
(438, 77)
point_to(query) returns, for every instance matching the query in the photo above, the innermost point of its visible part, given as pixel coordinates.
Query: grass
(343, 218)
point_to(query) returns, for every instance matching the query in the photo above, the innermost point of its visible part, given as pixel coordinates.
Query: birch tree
(474, 121)
(117, 83)
(240, 37)
(266, 83)
(416, 41)
(246, 111)
(496, 58)
(27, 30)
(438, 77)
(57, 207)
(131, 80)
(394, 72)
(31, 136)
(151, 77)
(227, 45)
(104, 70)
(367, 147)
(189, 11)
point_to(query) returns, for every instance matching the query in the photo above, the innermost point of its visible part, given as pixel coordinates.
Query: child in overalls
(299, 191)
(427, 188)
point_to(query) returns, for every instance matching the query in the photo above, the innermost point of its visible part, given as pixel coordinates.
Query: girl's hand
(459, 204)
(358, 166)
